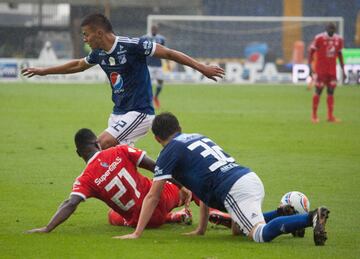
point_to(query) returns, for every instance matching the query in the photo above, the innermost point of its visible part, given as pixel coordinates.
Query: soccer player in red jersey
(327, 46)
(111, 176)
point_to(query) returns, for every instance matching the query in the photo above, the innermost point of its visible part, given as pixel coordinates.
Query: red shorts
(328, 80)
(168, 201)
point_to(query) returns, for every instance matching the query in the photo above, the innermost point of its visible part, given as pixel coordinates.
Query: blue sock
(284, 224)
(270, 215)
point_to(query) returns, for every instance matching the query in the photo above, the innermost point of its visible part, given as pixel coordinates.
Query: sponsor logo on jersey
(228, 167)
(116, 82)
(103, 62)
(111, 168)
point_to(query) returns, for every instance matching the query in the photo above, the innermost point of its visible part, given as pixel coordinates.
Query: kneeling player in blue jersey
(219, 182)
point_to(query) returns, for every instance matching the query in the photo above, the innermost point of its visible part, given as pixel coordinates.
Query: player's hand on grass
(32, 71)
(128, 236)
(196, 232)
(212, 72)
(38, 230)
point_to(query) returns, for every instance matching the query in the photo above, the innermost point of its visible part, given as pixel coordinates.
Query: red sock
(330, 105)
(315, 104)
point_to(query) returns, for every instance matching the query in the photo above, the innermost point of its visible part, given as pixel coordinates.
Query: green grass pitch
(264, 127)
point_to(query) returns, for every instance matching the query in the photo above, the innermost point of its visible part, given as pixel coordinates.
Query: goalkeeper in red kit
(328, 46)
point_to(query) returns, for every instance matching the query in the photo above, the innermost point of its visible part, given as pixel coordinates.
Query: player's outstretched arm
(70, 67)
(65, 210)
(203, 221)
(212, 72)
(150, 202)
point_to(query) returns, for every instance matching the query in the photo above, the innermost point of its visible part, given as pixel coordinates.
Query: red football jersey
(111, 175)
(327, 49)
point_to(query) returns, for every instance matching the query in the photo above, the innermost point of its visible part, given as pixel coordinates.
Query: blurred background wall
(25, 27)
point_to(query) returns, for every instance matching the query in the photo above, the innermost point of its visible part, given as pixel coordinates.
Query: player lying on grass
(111, 175)
(219, 182)
(123, 60)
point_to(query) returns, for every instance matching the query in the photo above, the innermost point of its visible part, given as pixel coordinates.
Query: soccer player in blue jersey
(123, 60)
(219, 182)
(155, 64)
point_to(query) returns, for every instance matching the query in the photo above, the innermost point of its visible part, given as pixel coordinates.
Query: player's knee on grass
(235, 229)
(116, 219)
(106, 140)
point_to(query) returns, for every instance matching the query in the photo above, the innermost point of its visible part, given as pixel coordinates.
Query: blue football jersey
(125, 66)
(158, 39)
(201, 166)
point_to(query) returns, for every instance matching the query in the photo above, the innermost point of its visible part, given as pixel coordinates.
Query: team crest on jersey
(122, 59)
(112, 61)
(104, 164)
(116, 82)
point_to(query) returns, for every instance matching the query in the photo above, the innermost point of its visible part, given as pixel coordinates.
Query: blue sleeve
(167, 161)
(92, 58)
(145, 47)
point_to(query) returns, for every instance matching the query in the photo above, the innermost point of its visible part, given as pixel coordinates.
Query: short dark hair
(164, 125)
(331, 26)
(84, 138)
(97, 20)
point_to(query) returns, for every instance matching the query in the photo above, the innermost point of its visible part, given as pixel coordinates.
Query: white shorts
(129, 127)
(156, 73)
(244, 200)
